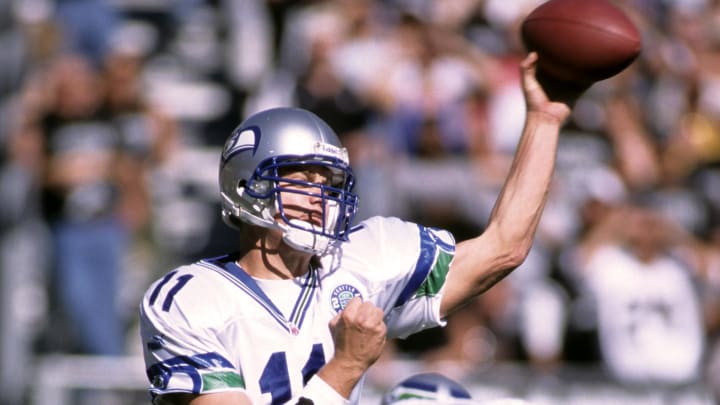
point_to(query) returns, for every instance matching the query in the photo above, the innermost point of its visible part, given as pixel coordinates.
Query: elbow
(515, 255)
(513, 251)
(506, 261)
(490, 257)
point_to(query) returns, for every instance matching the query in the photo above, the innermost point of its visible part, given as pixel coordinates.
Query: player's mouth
(315, 219)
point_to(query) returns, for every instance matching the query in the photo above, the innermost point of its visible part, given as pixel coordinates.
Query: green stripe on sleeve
(222, 379)
(436, 279)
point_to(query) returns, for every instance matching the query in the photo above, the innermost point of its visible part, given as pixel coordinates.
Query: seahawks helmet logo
(341, 295)
(241, 140)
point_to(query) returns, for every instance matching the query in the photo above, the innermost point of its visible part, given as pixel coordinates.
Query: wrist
(547, 117)
(342, 375)
(319, 392)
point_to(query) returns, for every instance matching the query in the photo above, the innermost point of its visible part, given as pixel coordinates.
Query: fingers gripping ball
(580, 41)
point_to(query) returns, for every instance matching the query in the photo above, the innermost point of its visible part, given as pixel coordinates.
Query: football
(580, 41)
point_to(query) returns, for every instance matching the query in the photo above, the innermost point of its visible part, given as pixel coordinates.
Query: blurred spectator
(320, 90)
(86, 27)
(23, 279)
(635, 156)
(85, 179)
(148, 139)
(147, 133)
(708, 259)
(648, 312)
(425, 90)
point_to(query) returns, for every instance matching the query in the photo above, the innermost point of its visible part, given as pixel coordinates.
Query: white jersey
(210, 327)
(649, 317)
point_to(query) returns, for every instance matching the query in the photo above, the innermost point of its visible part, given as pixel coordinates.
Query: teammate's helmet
(263, 145)
(427, 388)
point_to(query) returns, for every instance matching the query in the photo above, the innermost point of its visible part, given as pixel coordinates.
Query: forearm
(483, 261)
(520, 204)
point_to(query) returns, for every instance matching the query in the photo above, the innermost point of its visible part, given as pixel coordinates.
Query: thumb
(335, 321)
(351, 307)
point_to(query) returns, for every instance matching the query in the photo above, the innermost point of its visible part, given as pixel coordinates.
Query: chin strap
(301, 236)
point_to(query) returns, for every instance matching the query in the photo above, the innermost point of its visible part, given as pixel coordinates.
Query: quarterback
(304, 306)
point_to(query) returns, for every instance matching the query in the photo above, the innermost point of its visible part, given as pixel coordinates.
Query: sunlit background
(112, 114)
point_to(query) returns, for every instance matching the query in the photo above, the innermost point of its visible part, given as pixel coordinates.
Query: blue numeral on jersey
(275, 378)
(314, 363)
(181, 281)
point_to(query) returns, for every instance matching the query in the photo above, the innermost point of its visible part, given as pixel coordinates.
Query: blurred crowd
(112, 115)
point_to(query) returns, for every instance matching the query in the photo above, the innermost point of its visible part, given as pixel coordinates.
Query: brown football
(581, 41)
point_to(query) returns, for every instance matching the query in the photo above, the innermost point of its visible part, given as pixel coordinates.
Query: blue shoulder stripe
(425, 261)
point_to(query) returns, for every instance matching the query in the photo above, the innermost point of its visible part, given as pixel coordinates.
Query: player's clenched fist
(359, 333)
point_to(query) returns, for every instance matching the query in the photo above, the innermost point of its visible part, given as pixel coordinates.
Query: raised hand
(546, 94)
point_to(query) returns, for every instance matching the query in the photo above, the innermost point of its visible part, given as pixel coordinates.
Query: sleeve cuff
(320, 393)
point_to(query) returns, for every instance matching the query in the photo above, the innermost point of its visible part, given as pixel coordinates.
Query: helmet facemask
(266, 187)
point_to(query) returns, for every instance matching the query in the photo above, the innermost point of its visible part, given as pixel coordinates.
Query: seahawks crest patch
(341, 295)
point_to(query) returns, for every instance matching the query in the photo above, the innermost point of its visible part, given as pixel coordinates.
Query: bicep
(220, 398)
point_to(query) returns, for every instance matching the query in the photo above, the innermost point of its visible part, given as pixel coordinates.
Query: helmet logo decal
(241, 140)
(341, 295)
(332, 150)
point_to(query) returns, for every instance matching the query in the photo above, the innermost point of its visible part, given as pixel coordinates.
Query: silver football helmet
(427, 388)
(251, 165)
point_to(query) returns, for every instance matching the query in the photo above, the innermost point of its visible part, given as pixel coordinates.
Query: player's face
(303, 198)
